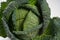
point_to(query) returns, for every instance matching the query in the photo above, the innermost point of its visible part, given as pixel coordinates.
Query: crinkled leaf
(45, 12)
(57, 28)
(2, 31)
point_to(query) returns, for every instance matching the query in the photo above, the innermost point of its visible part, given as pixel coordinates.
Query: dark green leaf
(57, 28)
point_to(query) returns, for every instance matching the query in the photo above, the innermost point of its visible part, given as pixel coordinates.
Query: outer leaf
(57, 28)
(45, 12)
(50, 30)
(3, 5)
(2, 31)
(9, 34)
(2, 8)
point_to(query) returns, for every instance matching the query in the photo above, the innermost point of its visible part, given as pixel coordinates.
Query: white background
(55, 7)
(55, 10)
